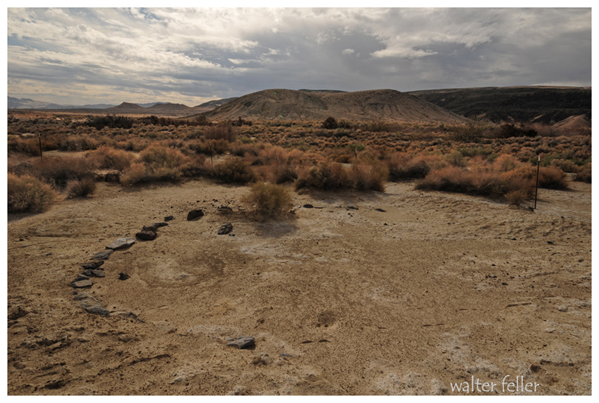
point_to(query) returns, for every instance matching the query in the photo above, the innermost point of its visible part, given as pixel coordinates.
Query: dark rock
(146, 235)
(380, 209)
(93, 265)
(308, 206)
(121, 243)
(81, 284)
(87, 273)
(98, 273)
(286, 355)
(169, 218)
(225, 209)
(154, 227)
(242, 342)
(352, 208)
(225, 229)
(550, 242)
(124, 276)
(104, 255)
(193, 214)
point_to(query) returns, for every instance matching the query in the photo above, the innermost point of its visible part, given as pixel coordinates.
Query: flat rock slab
(121, 243)
(81, 284)
(146, 235)
(193, 214)
(169, 218)
(242, 342)
(92, 305)
(225, 229)
(104, 255)
(93, 265)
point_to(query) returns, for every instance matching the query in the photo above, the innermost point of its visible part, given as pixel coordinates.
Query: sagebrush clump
(268, 200)
(29, 194)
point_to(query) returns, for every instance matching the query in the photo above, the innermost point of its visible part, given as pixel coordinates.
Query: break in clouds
(79, 56)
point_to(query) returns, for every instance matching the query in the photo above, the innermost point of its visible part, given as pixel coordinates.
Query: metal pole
(41, 155)
(537, 188)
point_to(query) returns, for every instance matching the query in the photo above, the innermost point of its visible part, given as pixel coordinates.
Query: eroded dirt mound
(387, 105)
(400, 292)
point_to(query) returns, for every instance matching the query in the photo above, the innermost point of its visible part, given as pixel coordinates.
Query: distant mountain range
(543, 104)
(26, 103)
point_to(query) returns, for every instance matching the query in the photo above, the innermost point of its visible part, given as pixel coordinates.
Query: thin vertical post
(537, 188)
(41, 154)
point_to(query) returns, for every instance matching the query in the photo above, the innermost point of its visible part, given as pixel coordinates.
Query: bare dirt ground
(437, 289)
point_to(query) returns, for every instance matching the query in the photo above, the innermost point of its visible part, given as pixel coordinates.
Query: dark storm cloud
(191, 55)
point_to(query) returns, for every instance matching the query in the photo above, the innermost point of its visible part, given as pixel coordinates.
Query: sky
(82, 56)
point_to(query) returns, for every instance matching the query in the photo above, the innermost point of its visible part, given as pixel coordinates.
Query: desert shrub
(549, 177)
(368, 176)
(111, 121)
(405, 167)
(77, 143)
(505, 163)
(516, 197)
(325, 176)
(107, 157)
(157, 156)
(222, 131)
(60, 170)
(234, 170)
(466, 133)
(456, 159)
(24, 146)
(330, 123)
(134, 174)
(268, 200)
(584, 175)
(211, 147)
(449, 179)
(565, 165)
(477, 182)
(81, 187)
(553, 178)
(510, 130)
(29, 194)
(196, 167)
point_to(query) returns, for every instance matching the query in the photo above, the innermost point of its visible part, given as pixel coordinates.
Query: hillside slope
(513, 104)
(388, 105)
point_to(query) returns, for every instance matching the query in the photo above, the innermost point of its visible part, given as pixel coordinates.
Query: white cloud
(347, 52)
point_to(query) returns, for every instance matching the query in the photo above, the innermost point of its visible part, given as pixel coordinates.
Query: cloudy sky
(187, 55)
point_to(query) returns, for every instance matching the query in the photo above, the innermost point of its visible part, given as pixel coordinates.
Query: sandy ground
(436, 290)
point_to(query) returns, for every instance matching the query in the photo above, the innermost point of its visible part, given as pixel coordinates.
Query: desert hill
(513, 104)
(386, 105)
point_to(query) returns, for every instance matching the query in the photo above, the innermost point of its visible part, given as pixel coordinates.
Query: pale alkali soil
(451, 287)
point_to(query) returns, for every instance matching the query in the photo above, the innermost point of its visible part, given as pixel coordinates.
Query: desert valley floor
(434, 290)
